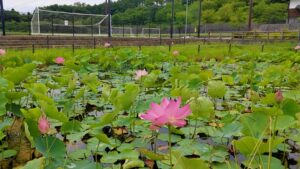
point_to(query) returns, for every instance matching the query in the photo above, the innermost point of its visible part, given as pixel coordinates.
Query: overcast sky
(30, 5)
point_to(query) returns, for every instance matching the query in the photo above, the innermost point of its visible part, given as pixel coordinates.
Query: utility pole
(250, 15)
(172, 21)
(2, 17)
(199, 18)
(108, 12)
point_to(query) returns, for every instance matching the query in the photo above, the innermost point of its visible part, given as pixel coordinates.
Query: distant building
(294, 11)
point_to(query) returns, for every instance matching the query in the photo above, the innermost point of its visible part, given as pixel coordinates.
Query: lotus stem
(170, 145)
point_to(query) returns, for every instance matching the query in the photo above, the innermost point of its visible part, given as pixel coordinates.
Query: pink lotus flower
(107, 45)
(175, 53)
(43, 124)
(297, 47)
(2, 52)
(278, 96)
(140, 73)
(59, 60)
(167, 113)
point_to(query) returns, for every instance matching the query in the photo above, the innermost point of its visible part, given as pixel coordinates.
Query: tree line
(158, 12)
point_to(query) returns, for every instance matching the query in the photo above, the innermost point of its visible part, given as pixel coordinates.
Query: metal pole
(186, 18)
(92, 26)
(199, 18)
(38, 16)
(149, 33)
(2, 17)
(288, 17)
(250, 15)
(73, 26)
(123, 32)
(172, 21)
(29, 23)
(108, 12)
(52, 28)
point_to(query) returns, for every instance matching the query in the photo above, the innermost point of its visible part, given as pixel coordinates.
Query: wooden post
(94, 43)
(229, 48)
(73, 48)
(33, 48)
(198, 49)
(282, 35)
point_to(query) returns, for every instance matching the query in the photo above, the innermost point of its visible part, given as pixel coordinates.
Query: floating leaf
(36, 164)
(188, 163)
(133, 164)
(151, 155)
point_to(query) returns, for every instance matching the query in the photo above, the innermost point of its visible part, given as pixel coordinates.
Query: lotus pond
(219, 107)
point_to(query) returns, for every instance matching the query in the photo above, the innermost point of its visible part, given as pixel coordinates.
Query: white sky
(294, 3)
(30, 5)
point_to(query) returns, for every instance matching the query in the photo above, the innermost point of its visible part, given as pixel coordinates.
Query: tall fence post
(47, 41)
(2, 17)
(29, 23)
(52, 28)
(73, 26)
(92, 27)
(123, 31)
(172, 20)
(136, 29)
(160, 40)
(149, 33)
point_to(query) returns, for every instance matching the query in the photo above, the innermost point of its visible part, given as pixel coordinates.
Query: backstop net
(46, 22)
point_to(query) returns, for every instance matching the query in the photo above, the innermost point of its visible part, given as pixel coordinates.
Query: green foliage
(202, 107)
(216, 89)
(140, 12)
(50, 147)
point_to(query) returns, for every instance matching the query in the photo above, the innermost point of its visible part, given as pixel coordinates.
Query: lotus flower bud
(43, 124)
